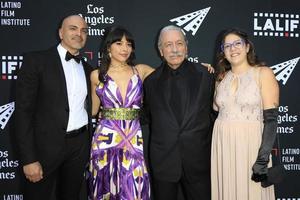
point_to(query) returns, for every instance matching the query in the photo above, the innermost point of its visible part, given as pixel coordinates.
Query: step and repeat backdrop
(273, 26)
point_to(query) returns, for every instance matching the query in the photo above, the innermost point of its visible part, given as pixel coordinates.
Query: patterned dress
(236, 138)
(117, 168)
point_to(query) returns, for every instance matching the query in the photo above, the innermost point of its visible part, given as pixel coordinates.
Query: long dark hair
(113, 34)
(222, 65)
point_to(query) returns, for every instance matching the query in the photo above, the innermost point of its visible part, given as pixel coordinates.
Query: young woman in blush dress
(246, 97)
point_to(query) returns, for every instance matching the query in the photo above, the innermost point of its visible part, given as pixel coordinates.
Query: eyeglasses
(236, 44)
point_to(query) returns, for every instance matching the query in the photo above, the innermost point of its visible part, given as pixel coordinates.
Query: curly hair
(222, 64)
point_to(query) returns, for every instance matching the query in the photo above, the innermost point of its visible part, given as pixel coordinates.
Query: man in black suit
(53, 116)
(178, 105)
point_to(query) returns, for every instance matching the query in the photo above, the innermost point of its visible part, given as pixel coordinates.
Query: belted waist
(120, 113)
(76, 132)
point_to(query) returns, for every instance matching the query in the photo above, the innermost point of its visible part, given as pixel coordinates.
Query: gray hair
(170, 28)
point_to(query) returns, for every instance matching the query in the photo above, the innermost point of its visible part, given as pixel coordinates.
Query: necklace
(118, 68)
(122, 65)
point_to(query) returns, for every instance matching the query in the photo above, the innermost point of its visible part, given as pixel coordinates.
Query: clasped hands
(260, 170)
(33, 172)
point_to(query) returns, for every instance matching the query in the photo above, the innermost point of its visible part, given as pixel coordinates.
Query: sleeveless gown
(117, 169)
(236, 139)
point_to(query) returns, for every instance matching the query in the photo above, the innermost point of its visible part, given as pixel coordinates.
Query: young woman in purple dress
(117, 167)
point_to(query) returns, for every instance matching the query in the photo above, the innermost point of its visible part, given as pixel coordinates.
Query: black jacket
(42, 109)
(175, 147)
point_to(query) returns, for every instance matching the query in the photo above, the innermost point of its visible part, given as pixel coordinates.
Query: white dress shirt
(76, 89)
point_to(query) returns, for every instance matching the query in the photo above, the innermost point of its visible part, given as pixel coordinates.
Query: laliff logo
(9, 66)
(276, 25)
(284, 70)
(193, 19)
(6, 112)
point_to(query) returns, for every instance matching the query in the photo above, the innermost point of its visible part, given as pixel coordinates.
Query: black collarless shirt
(176, 78)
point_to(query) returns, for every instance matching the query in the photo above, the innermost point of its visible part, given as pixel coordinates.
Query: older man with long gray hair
(178, 105)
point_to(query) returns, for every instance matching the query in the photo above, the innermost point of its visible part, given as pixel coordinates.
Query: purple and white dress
(117, 168)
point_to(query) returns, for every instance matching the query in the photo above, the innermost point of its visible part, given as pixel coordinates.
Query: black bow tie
(69, 56)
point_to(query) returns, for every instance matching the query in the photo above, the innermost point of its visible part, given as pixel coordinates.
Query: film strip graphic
(6, 112)
(193, 19)
(284, 70)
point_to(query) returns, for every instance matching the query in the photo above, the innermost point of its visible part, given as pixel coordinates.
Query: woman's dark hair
(222, 65)
(113, 34)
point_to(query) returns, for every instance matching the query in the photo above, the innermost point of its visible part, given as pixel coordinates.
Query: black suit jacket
(42, 109)
(175, 147)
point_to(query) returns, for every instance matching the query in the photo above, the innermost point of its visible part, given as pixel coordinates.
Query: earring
(109, 54)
